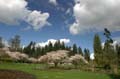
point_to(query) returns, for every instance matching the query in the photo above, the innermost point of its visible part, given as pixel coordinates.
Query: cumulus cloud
(54, 2)
(11, 11)
(95, 15)
(15, 11)
(43, 44)
(38, 19)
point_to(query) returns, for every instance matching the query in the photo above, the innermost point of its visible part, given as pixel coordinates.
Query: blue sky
(76, 20)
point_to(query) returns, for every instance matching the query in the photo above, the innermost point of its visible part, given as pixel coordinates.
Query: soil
(13, 74)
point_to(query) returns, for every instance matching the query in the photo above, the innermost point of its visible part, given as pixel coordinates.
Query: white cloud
(11, 11)
(92, 56)
(116, 42)
(95, 15)
(38, 19)
(54, 2)
(43, 44)
(14, 11)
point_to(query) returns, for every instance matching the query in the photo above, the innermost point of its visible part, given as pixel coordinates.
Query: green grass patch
(53, 73)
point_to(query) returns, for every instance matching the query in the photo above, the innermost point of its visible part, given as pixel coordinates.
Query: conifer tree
(74, 49)
(80, 51)
(87, 54)
(1, 43)
(98, 50)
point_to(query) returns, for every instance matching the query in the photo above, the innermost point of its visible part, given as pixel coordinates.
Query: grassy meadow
(54, 73)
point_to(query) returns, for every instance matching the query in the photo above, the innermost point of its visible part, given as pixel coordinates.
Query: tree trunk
(56, 64)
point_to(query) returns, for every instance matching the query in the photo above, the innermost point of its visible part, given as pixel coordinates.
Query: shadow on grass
(114, 76)
(14, 74)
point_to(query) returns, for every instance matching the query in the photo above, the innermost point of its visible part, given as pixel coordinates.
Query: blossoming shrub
(77, 59)
(54, 57)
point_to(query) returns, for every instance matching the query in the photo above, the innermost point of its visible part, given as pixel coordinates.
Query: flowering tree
(77, 59)
(17, 55)
(21, 57)
(55, 57)
(33, 60)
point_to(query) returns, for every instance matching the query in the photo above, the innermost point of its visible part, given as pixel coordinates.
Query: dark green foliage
(108, 35)
(98, 53)
(118, 53)
(1, 43)
(50, 47)
(87, 54)
(63, 45)
(109, 54)
(80, 51)
(57, 45)
(30, 49)
(33, 51)
(74, 51)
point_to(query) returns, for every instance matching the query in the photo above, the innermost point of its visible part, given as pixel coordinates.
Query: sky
(71, 21)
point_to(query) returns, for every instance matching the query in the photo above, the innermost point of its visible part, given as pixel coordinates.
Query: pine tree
(1, 43)
(46, 48)
(80, 51)
(118, 54)
(38, 52)
(50, 47)
(87, 54)
(98, 50)
(56, 46)
(30, 49)
(62, 45)
(110, 55)
(74, 49)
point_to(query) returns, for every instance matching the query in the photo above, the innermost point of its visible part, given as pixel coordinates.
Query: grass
(54, 74)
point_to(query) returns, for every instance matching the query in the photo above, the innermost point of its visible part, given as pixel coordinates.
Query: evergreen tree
(118, 53)
(39, 52)
(30, 49)
(110, 55)
(46, 48)
(98, 50)
(108, 36)
(80, 51)
(87, 54)
(74, 49)
(62, 45)
(56, 47)
(1, 43)
(50, 47)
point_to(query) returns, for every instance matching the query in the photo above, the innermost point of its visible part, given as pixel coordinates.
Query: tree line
(36, 51)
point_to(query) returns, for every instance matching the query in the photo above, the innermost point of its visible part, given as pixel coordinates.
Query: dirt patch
(13, 74)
